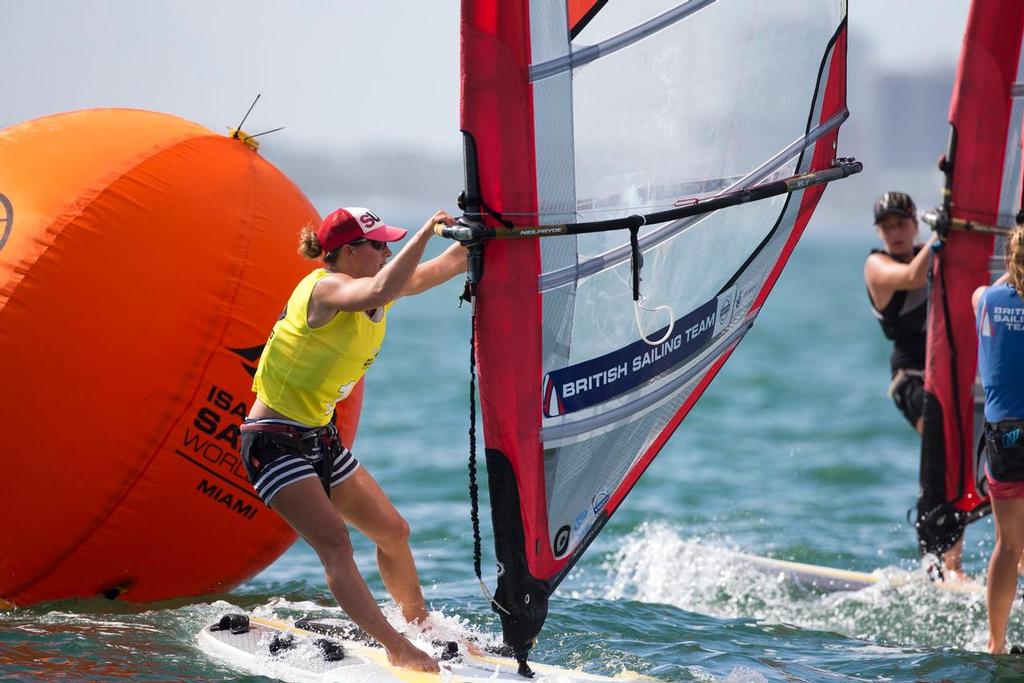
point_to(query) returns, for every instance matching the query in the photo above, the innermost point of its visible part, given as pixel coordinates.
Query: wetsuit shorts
(1004, 490)
(907, 392)
(277, 453)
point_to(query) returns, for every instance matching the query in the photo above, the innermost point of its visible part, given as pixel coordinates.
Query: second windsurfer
(896, 279)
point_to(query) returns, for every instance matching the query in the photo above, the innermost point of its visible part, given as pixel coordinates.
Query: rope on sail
(474, 489)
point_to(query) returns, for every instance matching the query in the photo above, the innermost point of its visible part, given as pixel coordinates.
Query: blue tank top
(1000, 324)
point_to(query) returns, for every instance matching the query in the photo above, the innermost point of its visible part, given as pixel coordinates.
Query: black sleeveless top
(904, 321)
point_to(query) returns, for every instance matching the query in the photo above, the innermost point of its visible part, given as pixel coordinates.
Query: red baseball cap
(355, 223)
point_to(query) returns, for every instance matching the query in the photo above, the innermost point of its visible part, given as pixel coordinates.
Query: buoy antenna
(238, 128)
(272, 130)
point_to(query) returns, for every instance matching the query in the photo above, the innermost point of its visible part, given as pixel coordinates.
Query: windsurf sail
(981, 202)
(637, 175)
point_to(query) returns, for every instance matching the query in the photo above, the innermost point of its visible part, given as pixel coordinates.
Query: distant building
(910, 112)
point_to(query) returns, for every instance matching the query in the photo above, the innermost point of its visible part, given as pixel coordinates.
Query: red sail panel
(981, 105)
(581, 12)
(984, 131)
(497, 114)
(501, 177)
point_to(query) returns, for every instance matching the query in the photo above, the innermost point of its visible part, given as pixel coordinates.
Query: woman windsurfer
(326, 339)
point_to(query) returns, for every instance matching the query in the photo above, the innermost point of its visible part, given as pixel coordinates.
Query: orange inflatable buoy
(143, 261)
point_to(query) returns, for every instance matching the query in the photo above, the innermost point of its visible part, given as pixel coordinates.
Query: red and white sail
(982, 198)
(589, 111)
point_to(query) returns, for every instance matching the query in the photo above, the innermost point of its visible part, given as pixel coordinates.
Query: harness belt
(1004, 442)
(280, 438)
(902, 374)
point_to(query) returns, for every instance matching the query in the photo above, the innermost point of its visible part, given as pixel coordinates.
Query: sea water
(794, 452)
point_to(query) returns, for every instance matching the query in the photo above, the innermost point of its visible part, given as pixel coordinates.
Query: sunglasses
(379, 246)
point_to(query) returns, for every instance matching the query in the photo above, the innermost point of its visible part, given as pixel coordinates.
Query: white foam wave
(657, 564)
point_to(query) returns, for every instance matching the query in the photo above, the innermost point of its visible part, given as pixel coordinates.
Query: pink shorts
(1004, 490)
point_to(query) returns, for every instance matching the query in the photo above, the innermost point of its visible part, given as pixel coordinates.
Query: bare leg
(952, 561)
(307, 509)
(1002, 569)
(363, 504)
(1020, 562)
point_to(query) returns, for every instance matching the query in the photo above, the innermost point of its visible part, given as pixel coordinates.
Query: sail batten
(595, 264)
(590, 53)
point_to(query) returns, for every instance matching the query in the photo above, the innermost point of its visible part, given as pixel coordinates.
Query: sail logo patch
(561, 546)
(580, 519)
(600, 379)
(725, 309)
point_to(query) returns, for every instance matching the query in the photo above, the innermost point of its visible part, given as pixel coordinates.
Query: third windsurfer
(895, 278)
(1000, 315)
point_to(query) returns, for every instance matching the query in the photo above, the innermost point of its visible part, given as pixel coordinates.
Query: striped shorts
(277, 453)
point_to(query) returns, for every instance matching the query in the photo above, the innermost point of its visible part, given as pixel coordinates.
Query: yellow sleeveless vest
(304, 371)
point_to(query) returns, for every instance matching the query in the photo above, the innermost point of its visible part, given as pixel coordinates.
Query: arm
(884, 276)
(346, 293)
(437, 270)
(976, 296)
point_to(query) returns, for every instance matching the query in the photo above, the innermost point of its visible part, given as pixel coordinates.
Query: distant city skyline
(368, 91)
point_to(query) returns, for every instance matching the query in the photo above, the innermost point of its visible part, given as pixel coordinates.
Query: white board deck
(829, 579)
(304, 661)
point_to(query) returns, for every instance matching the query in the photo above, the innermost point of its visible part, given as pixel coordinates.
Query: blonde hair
(1015, 259)
(309, 246)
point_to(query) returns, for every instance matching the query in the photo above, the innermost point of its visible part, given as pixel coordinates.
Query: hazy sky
(374, 83)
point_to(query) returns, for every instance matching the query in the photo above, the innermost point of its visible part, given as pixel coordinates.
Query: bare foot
(408, 656)
(415, 615)
(472, 648)
(432, 631)
(957, 575)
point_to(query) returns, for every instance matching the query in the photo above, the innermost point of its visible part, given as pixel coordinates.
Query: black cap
(895, 202)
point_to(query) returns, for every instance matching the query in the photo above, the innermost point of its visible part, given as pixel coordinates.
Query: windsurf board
(320, 651)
